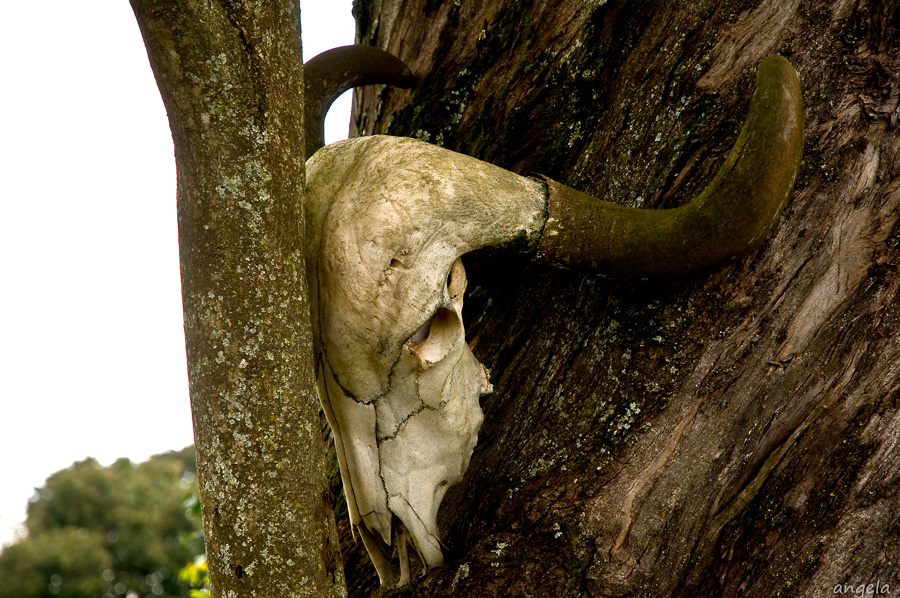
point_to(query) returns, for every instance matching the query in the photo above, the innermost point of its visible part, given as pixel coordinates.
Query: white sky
(92, 359)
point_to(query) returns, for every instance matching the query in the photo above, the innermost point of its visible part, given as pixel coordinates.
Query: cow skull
(388, 220)
(398, 383)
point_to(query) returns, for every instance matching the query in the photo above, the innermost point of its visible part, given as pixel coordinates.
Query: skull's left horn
(729, 218)
(334, 71)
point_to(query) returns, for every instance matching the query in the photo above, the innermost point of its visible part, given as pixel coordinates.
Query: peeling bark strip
(738, 435)
(230, 75)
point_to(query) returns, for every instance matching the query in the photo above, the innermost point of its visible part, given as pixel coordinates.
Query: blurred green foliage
(120, 531)
(196, 575)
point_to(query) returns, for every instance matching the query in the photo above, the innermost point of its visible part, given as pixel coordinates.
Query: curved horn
(728, 219)
(334, 71)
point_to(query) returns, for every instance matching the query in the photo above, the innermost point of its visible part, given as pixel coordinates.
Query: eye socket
(434, 339)
(420, 334)
(456, 281)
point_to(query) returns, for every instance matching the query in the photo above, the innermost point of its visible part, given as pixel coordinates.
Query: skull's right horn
(729, 218)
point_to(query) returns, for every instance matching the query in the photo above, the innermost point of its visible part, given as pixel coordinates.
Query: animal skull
(388, 220)
(398, 383)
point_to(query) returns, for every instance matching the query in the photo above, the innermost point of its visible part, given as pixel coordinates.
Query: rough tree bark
(736, 434)
(230, 74)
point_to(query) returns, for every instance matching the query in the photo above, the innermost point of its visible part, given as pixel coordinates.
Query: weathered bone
(387, 222)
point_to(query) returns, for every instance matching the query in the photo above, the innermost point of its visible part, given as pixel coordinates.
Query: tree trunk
(231, 78)
(735, 434)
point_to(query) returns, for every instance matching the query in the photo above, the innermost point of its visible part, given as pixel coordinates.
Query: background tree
(732, 434)
(108, 531)
(67, 562)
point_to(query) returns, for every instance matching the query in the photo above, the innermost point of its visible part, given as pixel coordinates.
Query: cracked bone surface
(387, 221)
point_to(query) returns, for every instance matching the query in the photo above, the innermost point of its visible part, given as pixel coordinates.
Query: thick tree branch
(230, 75)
